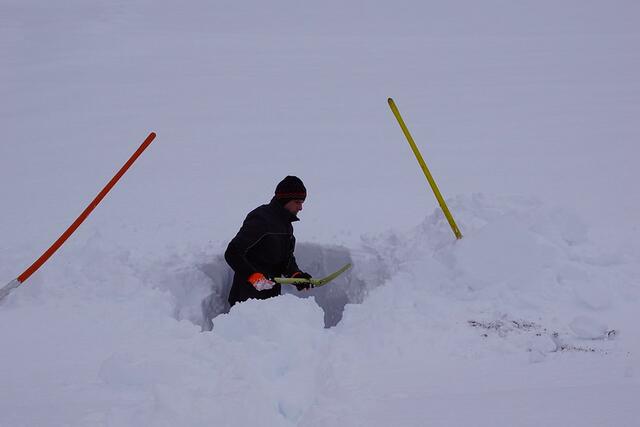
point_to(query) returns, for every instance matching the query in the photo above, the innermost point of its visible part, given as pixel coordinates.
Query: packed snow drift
(524, 298)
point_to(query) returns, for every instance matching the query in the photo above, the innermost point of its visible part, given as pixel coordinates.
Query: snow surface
(526, 113)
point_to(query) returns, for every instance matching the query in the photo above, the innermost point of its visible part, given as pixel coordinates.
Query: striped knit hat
(290, 188)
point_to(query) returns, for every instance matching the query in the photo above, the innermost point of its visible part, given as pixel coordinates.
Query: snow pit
(317, 260)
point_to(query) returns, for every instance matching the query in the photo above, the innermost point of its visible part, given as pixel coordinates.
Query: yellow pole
(423, 165)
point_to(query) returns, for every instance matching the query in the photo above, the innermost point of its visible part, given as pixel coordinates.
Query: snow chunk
(274, 319)
(588, 328)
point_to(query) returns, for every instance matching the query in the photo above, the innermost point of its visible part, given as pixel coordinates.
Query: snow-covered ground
(525, 112)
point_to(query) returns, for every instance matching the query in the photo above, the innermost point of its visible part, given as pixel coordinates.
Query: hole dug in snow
(317, 260)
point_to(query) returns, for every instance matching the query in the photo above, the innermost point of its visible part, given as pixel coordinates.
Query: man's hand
(302, 275)
(260, 282)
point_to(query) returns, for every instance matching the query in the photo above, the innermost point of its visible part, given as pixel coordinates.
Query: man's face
(294, 206)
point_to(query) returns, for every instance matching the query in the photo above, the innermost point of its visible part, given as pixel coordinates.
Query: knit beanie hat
(290, 188)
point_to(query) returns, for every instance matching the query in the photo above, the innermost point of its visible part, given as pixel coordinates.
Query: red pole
(56, 245)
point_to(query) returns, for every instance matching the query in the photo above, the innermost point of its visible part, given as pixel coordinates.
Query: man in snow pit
(263, 248)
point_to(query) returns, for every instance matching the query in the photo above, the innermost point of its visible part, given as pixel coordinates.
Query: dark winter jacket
(264, 244)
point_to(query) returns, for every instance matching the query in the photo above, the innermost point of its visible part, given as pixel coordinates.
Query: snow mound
(523, 288)
(589, 328)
